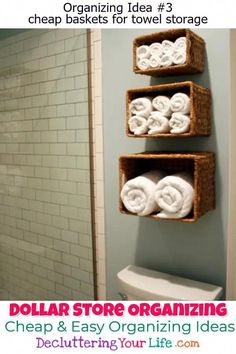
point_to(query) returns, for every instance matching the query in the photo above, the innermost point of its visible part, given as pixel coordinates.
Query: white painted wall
(231, 250)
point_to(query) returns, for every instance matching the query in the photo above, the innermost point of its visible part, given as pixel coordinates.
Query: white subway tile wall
(98, 162)
(45, 207)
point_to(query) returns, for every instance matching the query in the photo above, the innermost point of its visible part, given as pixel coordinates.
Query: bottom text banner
(121, 327)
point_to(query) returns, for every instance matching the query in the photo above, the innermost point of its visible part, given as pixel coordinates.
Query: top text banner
(117, 14)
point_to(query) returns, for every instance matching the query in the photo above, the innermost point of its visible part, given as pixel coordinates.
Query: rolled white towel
(166, 60)
(155, 61)
(180, 102)
(179, 57)
(156, 49)
(138, 125)
(137, 194)
(175, 196)
(158, 123)
(168, 47)
(141, 107)
(143, 63)
(143, 51)
(180, 44)
(162, 104)
(179, 123)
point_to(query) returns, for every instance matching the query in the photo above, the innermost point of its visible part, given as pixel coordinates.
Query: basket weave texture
(200, 164)
(195, 60)
(200, 106)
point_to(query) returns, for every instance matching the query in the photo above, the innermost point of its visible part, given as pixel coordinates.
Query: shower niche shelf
(201, 165)
(195, 53)
(200, 107)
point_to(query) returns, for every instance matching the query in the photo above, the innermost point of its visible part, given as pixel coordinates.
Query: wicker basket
(200, 107)
(200, 164)
(195, 59)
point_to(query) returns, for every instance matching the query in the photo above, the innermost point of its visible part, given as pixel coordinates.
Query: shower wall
(45, 212)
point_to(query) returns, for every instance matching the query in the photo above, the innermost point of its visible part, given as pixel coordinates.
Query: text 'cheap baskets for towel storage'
(195, 53)
(200, 106)
(200, 164)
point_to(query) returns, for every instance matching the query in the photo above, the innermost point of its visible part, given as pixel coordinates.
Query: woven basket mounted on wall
(195, 60)
(200, 106)
(200, 164)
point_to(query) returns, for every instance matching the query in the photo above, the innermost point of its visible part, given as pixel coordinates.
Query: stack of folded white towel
(163, 54)
(155, 193)
(160, 114)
